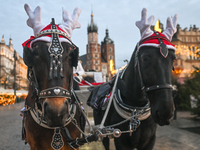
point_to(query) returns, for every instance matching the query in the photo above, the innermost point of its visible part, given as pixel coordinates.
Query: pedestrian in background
(78, 73)
(175, 98)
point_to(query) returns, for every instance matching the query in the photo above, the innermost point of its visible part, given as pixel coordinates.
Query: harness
(55, 51)
(130, 113)
(37, 114)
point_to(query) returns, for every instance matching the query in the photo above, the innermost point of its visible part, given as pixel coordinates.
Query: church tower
(93, 47)
(108, 55)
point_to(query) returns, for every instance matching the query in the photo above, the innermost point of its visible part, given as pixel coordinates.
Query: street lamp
(14, 85)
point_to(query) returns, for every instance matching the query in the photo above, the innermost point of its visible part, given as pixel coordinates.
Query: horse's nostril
(159, 115)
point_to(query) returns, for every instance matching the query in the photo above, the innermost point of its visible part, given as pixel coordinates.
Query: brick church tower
(108, 55)
(99, 58)
(93, 47)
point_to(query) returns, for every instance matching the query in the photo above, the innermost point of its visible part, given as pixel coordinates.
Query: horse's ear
(28, 56)
(75, 55)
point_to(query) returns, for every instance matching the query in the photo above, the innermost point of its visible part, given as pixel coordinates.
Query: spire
(92, 20)
(10, 43)
(107, 39)
(2, 40)
(107, 34)
(92, 27)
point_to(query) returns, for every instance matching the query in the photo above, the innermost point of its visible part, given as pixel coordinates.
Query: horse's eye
(145, 58)
(36, 53)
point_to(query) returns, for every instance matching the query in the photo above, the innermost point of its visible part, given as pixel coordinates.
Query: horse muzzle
(162, 109)
(162, 120)
(56, 111)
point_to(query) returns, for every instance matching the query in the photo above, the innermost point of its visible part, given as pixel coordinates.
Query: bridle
(164, 49)
(52, 92)
(36, 109)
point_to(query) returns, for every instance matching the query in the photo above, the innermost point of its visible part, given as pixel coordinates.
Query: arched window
(110, 49)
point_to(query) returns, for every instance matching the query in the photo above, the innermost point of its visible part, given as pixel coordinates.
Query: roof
(107, 39)
(92, 27)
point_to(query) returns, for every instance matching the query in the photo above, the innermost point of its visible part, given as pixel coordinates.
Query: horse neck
(133, 93)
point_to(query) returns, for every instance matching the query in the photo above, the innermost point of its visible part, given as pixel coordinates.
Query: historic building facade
(7, 63)
(99, 58)
(187, 43)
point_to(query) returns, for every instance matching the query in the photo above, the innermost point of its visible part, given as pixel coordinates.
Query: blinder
(29, 59)
(75, 55)
(28, 56)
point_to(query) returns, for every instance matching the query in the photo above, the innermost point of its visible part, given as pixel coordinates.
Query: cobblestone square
(171, 137)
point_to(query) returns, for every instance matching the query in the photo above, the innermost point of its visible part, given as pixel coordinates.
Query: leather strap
(55, 92)
(162, 86)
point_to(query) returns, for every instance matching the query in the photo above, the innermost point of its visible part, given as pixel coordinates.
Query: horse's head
(50, 57)
(155, 56)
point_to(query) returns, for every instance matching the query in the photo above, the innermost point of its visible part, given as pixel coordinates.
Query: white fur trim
(156, 45)
(48, 39)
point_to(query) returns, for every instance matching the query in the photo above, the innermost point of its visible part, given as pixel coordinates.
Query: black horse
(147, 78)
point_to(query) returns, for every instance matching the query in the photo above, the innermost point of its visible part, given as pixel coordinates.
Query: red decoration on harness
(154, 39)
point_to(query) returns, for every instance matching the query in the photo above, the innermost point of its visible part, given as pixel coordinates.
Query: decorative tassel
(61, 66)
(51, 67)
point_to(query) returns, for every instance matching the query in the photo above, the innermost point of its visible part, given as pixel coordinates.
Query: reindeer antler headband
(70, 22)
(150, 38)
(55, 34)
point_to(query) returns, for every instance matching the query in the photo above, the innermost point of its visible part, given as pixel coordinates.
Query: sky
(118, 17)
